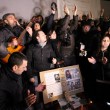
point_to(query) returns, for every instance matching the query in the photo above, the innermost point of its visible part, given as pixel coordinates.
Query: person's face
(39, 18)
(37, 26)
(20, 69)
(105, 42)
(11, 20)
(57, 76)
(41, 37)
(67, 72)
(86, 28)
(14, 42)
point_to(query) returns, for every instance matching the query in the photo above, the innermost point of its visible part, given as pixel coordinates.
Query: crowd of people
(44, 44)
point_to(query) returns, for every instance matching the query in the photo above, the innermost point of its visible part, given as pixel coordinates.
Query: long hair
(100, 42)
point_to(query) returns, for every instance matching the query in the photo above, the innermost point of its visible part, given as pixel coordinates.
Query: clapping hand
(30, 99)
(104, 60)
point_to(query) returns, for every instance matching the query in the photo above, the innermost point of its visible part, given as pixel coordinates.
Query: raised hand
(102, 12)
(74, 10)
(53, 11)
(104, 60)
(29, 30)
(66, 10)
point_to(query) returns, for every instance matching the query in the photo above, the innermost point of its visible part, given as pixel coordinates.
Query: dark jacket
(67, 39)
(8, 32)
(104, 24)
(39, 59)
(90, 40)
(49, 23)
(102, 70)
(11, 97)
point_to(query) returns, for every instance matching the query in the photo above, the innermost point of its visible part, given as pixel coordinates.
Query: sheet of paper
(53, 84)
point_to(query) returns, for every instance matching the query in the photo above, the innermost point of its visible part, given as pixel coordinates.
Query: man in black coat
(40, 58)
(40, 55)
(87, 40)
(11, 89)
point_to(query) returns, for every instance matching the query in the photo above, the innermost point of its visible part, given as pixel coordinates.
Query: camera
(83, 53)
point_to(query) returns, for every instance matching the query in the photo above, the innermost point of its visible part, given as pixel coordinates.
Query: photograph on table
(73, 79)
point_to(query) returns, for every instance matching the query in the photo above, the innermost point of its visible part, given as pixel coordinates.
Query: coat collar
(11, 74)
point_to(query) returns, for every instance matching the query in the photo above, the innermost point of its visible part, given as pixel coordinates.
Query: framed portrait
(61, 80)
(73, 78)
(52, 80)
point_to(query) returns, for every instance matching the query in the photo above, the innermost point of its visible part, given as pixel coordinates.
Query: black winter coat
(102, 70)
(39, 59)
(11, 97)
(8, 32)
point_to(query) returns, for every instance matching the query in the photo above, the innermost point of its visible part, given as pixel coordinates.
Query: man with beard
(11, 28)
